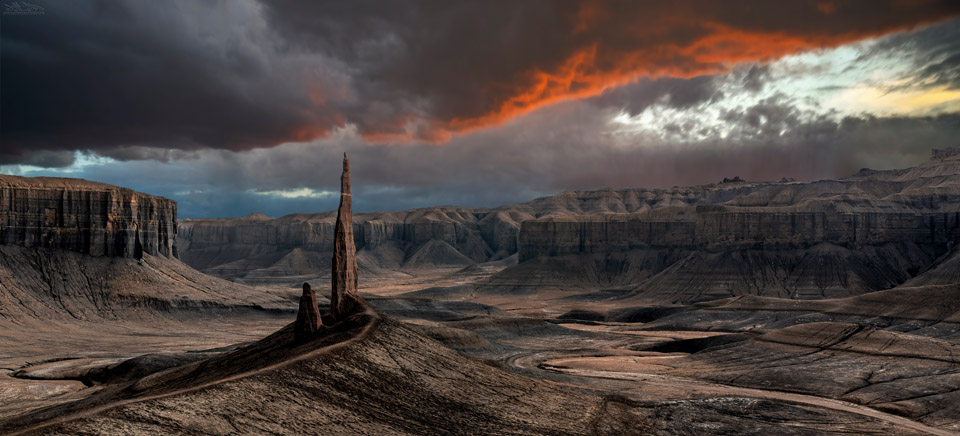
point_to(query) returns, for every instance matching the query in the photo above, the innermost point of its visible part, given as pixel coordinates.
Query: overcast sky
(244, 106)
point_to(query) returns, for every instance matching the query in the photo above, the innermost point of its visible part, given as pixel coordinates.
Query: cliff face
(720, 228)
(316, 232)
(919, 205)
(870, 231)
(75, 249)
(258, 248)
(85, 217)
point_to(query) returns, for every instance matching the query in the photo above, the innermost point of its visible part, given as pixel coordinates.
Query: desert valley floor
(746, 365)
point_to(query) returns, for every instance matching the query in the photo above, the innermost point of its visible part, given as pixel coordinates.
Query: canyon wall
(919, 205)
(236, 247)
(316, 233)
(72, 249)
(870, 231)
(453, 236)
(85, 217)
(719, 227)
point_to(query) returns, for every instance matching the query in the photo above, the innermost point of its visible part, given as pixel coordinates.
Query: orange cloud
(462, 76)
(409, 71)
(584, 74)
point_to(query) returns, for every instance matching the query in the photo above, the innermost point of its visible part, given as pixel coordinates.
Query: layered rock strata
(81, 250)
(85, 217)
(725, 227)
(870, 231)
(235, 247)
(919, 205)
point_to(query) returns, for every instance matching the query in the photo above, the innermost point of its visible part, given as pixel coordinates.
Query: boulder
(308, 316)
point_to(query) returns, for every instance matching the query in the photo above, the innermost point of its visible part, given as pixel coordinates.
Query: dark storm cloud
(755, 77)
(569, 146)
(139, 152)
(768, 117)
(934, 53)
(457, 66)
(106, 75)
(636, 97)
(100, 75)
(39, 158)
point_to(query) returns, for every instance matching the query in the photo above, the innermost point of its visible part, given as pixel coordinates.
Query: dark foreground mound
(372, 375)
(365, 375)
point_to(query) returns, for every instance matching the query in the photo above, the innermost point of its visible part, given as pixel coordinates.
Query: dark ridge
(696, 345)
(644, 314)
(583, 315)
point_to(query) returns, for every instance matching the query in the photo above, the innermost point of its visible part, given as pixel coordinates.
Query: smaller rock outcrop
(308, 317)
(344, 300)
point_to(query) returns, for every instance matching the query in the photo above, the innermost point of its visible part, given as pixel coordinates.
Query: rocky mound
(363, 375)
(49, 284)
(944, 271)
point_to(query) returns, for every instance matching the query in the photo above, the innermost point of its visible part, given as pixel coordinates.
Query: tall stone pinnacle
(308, 317)
(344, 300)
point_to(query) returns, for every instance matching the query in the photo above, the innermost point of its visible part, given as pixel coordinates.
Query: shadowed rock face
(362, 376)
(86, 217)
(919, 205)
(308, 317)
(344, 298)
(802, 240)
(90, 250)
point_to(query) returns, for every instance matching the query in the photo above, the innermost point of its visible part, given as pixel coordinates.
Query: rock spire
(344, 300)
(308, 317)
